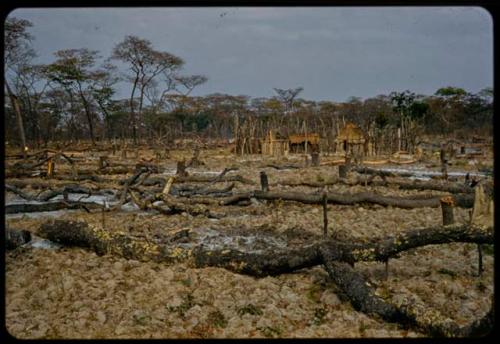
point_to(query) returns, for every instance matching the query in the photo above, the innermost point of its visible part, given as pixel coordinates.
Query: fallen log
(402, 184)
(382, 173)
(51, 206)
(336, 257)
(463, 201)
(197, 179)
(188, 191)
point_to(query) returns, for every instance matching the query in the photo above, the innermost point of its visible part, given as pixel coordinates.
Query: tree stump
(264, 183)
(343, 170)
(181, 168)
(103, 162)
(315, 159)
(447, 204)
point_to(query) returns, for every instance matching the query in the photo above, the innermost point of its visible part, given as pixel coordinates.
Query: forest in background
(75, 98)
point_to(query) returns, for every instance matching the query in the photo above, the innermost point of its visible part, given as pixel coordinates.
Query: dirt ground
(73, 293)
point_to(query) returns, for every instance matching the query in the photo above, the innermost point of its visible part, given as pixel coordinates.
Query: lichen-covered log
(389, 247)
(270, 262)
(337, 258)
(81, 234)
(361, 295)
(16, 237)
(407, 311)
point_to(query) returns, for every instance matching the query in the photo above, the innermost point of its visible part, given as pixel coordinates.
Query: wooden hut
(275, 144)
(353, 141)
(304, 143)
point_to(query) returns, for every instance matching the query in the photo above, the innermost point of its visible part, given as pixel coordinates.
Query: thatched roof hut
(352, 140)
(304, 142)
(352, 134)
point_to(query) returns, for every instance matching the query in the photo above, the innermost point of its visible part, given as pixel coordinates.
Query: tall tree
(73, 70)
(145, 64)
(287, 96)
(17, 51)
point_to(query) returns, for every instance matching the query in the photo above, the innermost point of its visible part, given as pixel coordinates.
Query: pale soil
(73, 293)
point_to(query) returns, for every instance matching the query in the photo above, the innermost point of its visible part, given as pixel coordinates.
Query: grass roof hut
(304, 143)
(351, 140)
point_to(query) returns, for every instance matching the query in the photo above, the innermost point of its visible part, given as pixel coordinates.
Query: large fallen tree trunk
(50, 206)
(402, 184)
(463, 201)
(336, 256)
(49, 194)
(197, 179)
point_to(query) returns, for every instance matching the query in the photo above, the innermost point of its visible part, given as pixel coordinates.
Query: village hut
(304, 143)
(275, 144)
(351, 140)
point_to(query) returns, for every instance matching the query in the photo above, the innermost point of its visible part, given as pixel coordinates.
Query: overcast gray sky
(333, 53)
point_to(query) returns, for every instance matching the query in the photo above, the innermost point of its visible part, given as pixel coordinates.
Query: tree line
(75, 98)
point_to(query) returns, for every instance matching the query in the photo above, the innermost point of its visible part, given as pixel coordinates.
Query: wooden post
(315, 159)
(306, 161)
(447, 209)
(480, 260)
(264, 184)
(444, 163)
(343, 169)
(386, 275)
(103, 212)
(325, 213)
(65, 195)
(124, 154)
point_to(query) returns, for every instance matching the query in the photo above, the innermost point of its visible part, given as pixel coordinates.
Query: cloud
(333, 53)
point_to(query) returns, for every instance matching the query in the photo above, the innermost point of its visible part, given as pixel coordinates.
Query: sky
(332, 52)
